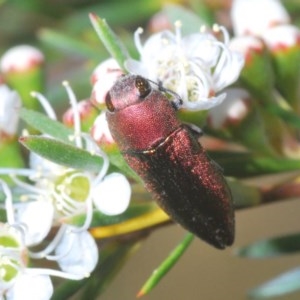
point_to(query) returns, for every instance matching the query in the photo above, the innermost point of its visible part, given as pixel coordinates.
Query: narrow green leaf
(272, 247)
(285, 283)
(62, 154)
(117, 159)
(287, 115)
(119, 13)
(109, 39)
(67, 44)
(240, 164)
(46, 125)
(166, 265)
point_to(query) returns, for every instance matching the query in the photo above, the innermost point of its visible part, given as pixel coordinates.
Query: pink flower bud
(255, 16)
(100, 131)
(20, 59)
(86, 113)
(282, 38)
(249, 46)
(108, 67)
(103, 78)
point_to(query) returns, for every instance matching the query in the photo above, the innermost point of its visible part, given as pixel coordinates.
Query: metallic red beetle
(167, 155)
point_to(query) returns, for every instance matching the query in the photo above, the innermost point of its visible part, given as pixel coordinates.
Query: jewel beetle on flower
(167, 155)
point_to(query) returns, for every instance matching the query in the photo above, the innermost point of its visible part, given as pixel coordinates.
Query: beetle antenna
(176, 101)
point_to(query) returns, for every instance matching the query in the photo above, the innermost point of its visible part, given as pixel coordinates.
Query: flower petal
(9, 110)
(38, 217)
(204, 103)
(33, 287)
(112, 195)
(79, 253)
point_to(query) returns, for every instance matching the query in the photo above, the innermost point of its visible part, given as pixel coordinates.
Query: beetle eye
(108, 103)
(143, 86)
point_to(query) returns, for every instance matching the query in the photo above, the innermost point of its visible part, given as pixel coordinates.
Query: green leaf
(287, 116)
(117, 159)
(241, 164)
(118, 13)
(67, 44)
(166, 265)
(109, 39)
(191, 23)
(63, 154)
(285, 283)
(272, 247)
(46, 125)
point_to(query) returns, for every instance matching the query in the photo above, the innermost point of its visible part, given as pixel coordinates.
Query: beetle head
(128, 90)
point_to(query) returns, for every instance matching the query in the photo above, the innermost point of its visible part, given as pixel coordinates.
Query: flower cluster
(196, 66)
(41, 201)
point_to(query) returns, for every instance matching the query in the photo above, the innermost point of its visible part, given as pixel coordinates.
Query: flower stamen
(77, 125)
(45, 104)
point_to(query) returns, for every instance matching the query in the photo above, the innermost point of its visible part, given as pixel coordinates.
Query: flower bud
(101, 133)
(103, 78)
(22, 69)
(257, 74)
(238, 119)
(106, 68)
(87, 113)
(232, 111)
(284, 45)
(255, 16)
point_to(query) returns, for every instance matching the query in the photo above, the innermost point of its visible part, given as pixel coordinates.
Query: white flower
(196, 66)
(52, 195)
(255, 16)
(10, 105)
(56, 193)
(17, 280)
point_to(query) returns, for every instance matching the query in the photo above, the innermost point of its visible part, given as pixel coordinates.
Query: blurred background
(206, 273)
(62, 30)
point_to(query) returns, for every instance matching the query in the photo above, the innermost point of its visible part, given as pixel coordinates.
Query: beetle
(167, 155)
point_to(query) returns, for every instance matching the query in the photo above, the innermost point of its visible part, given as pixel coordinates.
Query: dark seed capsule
(166, 154)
